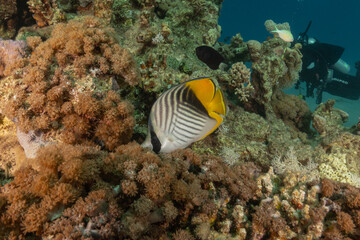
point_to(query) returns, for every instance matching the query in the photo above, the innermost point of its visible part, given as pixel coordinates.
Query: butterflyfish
(285, 35)
(209, 56)
(185, 114)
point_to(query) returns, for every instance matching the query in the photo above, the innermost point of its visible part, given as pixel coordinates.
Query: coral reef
(70, 100)
(290, 164)
(275, 66)
(13, 14)
(12, 154)
(304, 211)
(236, 51)
(340, 162)
(246, 136)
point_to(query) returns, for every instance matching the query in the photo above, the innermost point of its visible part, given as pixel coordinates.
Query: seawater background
(333, 21)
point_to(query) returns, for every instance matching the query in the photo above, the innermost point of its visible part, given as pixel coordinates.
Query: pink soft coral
(10, 53)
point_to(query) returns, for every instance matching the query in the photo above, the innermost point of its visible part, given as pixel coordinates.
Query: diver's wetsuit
(317, 73)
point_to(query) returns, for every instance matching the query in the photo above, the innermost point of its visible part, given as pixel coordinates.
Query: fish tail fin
(218, 104)
(276, 30)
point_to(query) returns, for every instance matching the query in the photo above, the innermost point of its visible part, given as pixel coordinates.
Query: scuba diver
(324, 70)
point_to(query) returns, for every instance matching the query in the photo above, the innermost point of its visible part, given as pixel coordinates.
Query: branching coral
(238, 81)
(290, 163)
(65, 89)
(298, 210)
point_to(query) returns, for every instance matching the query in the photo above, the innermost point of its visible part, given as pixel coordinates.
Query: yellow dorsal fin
(203, 88)
(208, 94)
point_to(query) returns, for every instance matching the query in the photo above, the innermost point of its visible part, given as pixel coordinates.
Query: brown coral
(267, 220)
(327, 188)
(293, 110)
(345, 222)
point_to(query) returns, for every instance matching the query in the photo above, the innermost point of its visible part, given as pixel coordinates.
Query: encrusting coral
(65, 89)
(340, 162)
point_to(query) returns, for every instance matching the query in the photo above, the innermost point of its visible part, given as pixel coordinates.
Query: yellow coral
(335, 167)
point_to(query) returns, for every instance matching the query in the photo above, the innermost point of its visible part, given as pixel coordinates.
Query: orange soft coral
(65, 90)
(81, 192)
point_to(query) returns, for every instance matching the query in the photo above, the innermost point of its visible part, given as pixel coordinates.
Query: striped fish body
(184, 114)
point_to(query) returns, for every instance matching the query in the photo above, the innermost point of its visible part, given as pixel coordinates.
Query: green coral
(123, 13)
(242, 136)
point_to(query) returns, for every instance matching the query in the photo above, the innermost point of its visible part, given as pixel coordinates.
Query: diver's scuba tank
(341, 66)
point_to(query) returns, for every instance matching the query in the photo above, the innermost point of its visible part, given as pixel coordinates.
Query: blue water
(333, 21)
